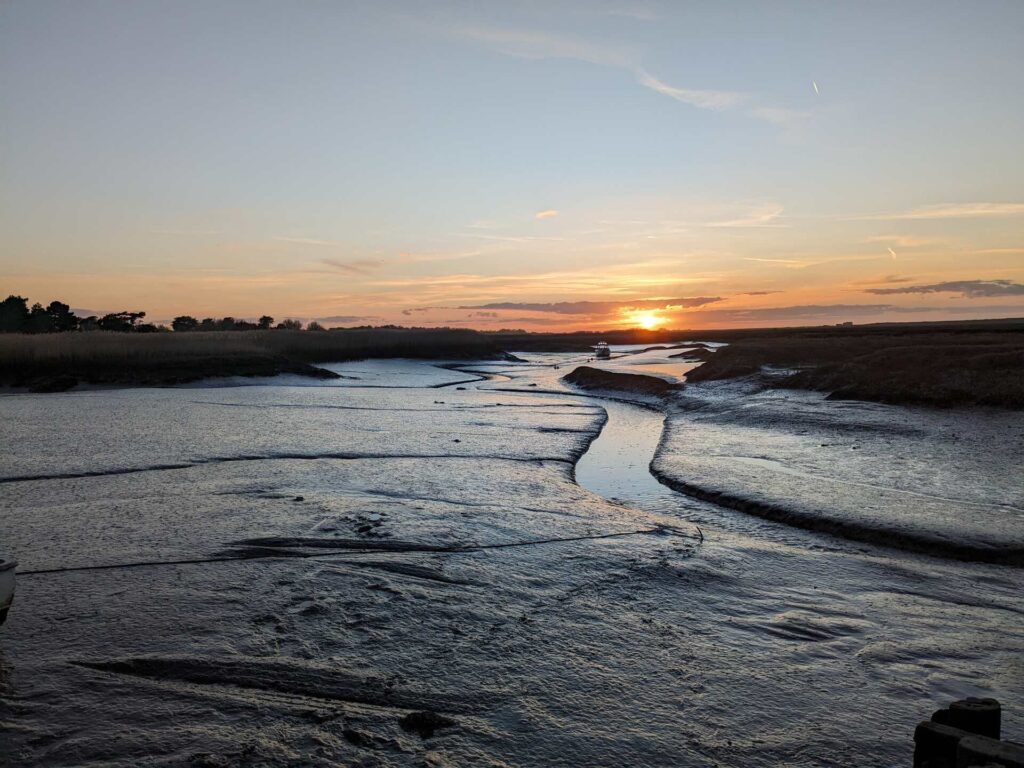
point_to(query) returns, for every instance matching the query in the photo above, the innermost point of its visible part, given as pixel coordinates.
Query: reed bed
(937, 369)
(107, 357)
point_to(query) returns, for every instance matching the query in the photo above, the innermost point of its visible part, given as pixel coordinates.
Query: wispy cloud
(188, 232)
(762, 216)
(347, 318)
(550, 213)
(357, 267)
(532, 44)
(596, 307)
(999, 251)
(905, 241)
(307, 241)
(968, 289)
(792, 263)
(702, 99)
(886, 280)
(518, 239)
(954, 211)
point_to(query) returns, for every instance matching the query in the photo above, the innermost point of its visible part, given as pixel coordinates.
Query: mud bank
(810, 520)
(589, 378)
(921, 480)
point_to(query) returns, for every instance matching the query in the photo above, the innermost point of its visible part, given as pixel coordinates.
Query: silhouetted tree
(39, 320)
(13, 314)
(290, 325)
(185, 323)
(90, 323)
(315, 326)
(266, 322)
(120, 321)
(208, 324)
(61, 317)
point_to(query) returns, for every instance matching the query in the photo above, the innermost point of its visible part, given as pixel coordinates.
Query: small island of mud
(589, 378)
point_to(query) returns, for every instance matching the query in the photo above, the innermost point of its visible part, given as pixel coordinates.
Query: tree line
(16, 316)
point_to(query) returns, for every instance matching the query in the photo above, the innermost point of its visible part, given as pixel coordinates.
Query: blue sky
(400, 162)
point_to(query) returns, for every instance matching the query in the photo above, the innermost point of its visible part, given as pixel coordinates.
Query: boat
(6, 586)
(602, 352)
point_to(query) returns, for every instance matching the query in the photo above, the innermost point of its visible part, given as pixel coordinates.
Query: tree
(13, 314)
(61, 317)
(208, 324)
(185, 323)
(315, 326)
(39, 320)
(120, 321)
(290, 325)
(266, 322)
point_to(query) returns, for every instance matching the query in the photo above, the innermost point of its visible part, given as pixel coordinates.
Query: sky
(538, 165)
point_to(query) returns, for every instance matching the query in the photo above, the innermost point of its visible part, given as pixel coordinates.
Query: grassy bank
(53, 362)
(945, 368)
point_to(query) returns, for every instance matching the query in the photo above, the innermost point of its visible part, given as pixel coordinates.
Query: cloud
(759, 293)
(761, 216)
(702, 99)
(596, 307)
(999, 251)
(889, 279)
(307, 241)
(968, 289)
(905, 241)
(357, 267)
(531, 44)
(955, 211)
(346, 318)
(550, 213)
(189, 232)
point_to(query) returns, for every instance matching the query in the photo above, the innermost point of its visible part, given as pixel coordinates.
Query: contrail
(892, 253)
(815, 84)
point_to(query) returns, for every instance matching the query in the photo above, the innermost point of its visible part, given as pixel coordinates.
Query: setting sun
(646, 320)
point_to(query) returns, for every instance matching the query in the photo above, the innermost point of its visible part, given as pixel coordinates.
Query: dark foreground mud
(354, 575)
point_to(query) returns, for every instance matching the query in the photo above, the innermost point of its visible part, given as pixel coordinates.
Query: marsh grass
(940, 369)
(106, 357)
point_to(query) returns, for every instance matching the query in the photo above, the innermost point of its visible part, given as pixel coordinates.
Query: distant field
(929, 368)
(51, 362)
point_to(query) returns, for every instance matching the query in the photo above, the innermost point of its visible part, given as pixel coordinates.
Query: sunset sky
(536, 165)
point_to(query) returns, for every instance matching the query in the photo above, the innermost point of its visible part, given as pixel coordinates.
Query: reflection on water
(617, 464)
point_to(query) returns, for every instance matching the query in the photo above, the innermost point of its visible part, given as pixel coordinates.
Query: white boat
(6, 586)
(602, 352)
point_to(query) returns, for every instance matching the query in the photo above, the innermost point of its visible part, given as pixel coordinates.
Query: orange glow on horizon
(646, 320)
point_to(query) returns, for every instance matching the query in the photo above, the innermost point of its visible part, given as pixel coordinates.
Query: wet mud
(329, 578)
